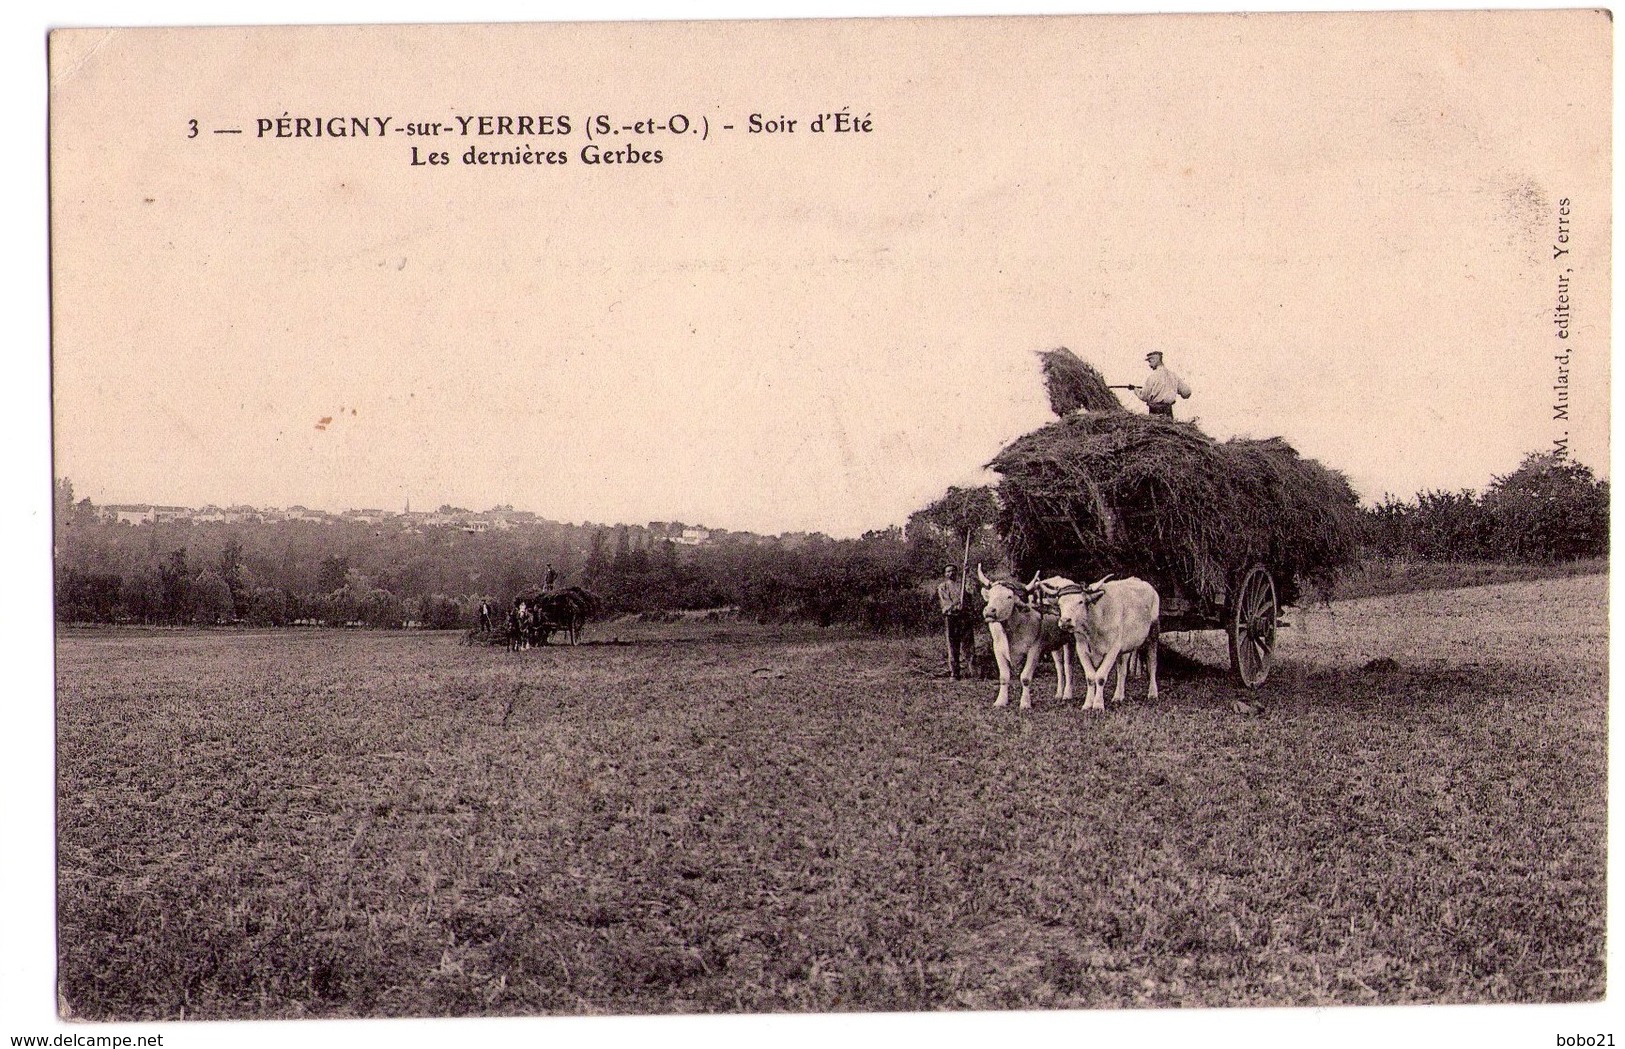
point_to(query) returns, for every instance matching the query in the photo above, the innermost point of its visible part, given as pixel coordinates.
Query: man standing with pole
(951, 600)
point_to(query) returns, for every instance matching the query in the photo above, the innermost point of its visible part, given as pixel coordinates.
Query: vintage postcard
(1102, 515)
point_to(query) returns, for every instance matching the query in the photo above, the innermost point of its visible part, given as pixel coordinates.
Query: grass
(1379, 576)
(723, 818)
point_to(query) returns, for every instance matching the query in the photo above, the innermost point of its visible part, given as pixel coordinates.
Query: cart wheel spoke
(1264, 604)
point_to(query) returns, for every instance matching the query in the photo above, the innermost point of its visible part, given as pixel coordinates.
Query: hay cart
(1247, 607)
(564, 611)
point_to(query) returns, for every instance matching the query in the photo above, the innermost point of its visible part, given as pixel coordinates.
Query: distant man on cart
(1161, 387)
(956, 617)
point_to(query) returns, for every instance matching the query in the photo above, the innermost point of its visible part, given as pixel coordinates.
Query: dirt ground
(723, 817)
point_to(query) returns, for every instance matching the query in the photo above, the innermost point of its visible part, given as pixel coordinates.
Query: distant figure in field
(551, 577)
(1161, 387)
(956, 618)
(485, 617)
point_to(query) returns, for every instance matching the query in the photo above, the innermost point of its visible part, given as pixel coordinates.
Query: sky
(801, 331)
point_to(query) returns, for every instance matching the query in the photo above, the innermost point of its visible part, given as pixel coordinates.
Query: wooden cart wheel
(1251, 627)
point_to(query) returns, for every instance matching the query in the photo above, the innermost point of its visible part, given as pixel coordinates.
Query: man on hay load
(1161, 387)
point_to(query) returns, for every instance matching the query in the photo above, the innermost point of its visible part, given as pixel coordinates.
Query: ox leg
(1151, 663)
(1001, 653)
(1107, 662)
(1063, 672)
(1093, 692)
(1027, 670)
(1123, 662)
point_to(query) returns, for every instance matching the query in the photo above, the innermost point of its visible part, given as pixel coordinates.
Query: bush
(211, 599)
(266, 606)
(141, 598)
(1450, 526)
(1548, 509)
(87, 597)
(904, 610)
(440, 612)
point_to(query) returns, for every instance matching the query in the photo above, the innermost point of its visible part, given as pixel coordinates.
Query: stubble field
(728, 817)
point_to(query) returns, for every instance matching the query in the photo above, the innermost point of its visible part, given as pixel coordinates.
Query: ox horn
(981, 577)
(1103, 580)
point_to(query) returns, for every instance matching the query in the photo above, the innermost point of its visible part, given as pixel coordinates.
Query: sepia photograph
(1087, 515)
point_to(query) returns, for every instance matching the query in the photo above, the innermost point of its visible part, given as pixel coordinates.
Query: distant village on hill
(496, 519)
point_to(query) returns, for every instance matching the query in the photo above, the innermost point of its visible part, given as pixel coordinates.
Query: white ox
(1020, 631)
(1112, 620)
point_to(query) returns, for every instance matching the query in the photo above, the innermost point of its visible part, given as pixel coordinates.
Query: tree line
(281, 573)
(1549, 509)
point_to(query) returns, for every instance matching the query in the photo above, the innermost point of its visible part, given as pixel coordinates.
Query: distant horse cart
(539, 614)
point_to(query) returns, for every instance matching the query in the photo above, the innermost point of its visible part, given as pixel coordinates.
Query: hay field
(717, 819)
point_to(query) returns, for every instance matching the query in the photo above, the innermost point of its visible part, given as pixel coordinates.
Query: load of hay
(1073, 384)
(1106, 490)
